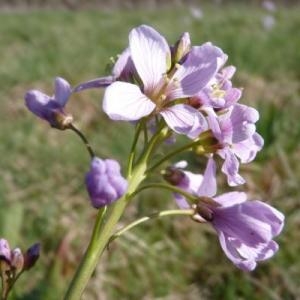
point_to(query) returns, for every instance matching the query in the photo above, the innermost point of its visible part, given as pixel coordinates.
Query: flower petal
(125, 101)
(209, 184)
(101, 82)
(243, 118)
(231, 198)
(150, 53)
(62, 91)
(182, 118)
(37, 102)
(229, 246)
(200, 66)
(247, 150)
(230, 168)
(124, 67)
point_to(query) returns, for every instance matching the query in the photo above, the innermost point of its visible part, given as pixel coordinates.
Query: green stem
(179, 150)
(104, 231)
(164, 213)
(101, 236)
(84, 139)
(171, 154)
(133, 147)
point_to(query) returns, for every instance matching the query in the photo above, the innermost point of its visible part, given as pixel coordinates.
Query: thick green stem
(103, 231)
(101, 236)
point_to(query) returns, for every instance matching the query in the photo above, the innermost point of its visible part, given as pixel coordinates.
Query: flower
(245, 228)
(5, 252)
(104, 182)
(31, 256)
(51, 108)
(157, 82)
(236, 137)
(219, 93)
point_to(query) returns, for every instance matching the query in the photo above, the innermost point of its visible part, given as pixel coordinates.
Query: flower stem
(84, 139)
(164, 213)
(133, 148)
(177, 151)
(95, 248)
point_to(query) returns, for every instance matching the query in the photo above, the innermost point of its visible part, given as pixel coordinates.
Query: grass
(42, 195)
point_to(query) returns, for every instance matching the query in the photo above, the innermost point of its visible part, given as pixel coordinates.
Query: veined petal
(181, 117)
(123, 67)
(231, 198)
(229, 246)
(247, 150)
(37, 103)
(125, 101)
(200, 66)
(101, 82)
(150, 53)
(62, 91)
(209, 184)
(230, 168)
(243, 118)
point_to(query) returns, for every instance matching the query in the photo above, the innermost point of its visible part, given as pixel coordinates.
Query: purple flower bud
(31, 256)
(51, 108)
(104, 182)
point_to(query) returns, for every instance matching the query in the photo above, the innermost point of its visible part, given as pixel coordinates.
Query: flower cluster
(13, 263)
(166, 90)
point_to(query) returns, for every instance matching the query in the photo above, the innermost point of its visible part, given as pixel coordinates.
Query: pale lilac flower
(158, 84)
(245, 228)
(237, 138)
(51, 108)
(104, 182)
(219, 93)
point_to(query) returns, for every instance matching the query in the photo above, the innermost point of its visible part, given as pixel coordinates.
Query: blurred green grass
(42, 194)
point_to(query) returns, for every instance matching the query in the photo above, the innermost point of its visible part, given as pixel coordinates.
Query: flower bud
(51, 108)
(17, 259)
(104, 182)
(5, 250)
(182, 47)
(173, 175)
(31, 256)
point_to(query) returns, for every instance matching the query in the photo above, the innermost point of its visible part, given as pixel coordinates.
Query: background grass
(42, 194)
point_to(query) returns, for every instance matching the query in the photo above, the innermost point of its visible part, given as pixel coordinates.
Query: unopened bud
(205, 208)
(31, 256)
(5, 250)
(173, 175)
(17, 259)
(182, 47)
